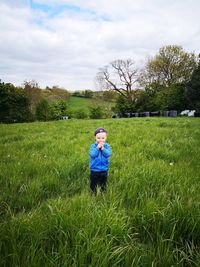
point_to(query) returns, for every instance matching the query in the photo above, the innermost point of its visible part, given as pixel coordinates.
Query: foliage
(88, 94)
(171, 98)
(109, 95)
(123, 105)
(14, 104)
(96, 112)
(145, 101)
(80, 114)
(80, 104)
(77, 93)
(170, 66)
(34, 93)
(193, 89)
(58, 109)
(149, 216)
(83, 93)
(42, 110)
(55, 94)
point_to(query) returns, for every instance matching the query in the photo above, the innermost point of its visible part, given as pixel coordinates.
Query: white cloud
(66, 47)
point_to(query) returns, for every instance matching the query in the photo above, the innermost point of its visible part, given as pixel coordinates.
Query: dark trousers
(98, 178)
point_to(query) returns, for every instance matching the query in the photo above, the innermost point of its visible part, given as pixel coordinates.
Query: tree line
(169, 81)
(29, 102)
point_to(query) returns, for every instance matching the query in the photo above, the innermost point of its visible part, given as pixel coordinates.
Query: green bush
(58, 109)
(14, 104)
(80, 114)
(42, 110)
(122, 105)
(96, 112)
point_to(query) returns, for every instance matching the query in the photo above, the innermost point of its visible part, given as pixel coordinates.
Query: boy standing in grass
(100, 153)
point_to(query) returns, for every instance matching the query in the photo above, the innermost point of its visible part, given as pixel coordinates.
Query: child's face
(101, 137)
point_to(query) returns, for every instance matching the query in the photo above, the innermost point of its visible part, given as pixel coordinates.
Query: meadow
(83, 104)
(149, 216)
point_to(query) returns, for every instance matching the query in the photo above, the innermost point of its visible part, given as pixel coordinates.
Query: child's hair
(99, 130)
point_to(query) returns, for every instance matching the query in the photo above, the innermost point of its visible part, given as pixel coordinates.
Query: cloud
(66, 42)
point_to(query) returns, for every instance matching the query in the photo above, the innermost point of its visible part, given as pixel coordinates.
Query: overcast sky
(65, 42)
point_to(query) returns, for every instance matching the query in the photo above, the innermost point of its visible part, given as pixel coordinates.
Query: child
(100, 153)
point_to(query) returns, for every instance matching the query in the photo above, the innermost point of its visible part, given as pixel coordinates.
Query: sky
(65, 43)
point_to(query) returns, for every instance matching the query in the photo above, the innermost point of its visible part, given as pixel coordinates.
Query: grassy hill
(150, 215)
(84, 104)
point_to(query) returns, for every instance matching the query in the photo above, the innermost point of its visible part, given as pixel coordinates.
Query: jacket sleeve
(107, 151)
(94, 151)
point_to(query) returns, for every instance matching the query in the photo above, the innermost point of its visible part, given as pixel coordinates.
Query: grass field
(150, 215)
(84, 104)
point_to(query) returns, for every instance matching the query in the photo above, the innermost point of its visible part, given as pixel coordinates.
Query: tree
(109, 95)
(14, 104)
(77, 93)
(55, 93)
(171, 65)
(122, 105)
(42, 110)
(193, 89)
(96, 112)
(171, 98)
(120, 76)
(88, 94)
(34, 93)
(144, 101)
(58, 109)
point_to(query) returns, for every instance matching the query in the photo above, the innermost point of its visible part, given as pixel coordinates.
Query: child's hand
(100, 145)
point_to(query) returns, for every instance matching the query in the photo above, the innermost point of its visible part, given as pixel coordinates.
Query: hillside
(81, 103)
(149, 216)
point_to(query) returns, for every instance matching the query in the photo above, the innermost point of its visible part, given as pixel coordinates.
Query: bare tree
(120, 76)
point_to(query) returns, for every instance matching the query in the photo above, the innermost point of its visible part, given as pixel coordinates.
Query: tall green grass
(150, 215)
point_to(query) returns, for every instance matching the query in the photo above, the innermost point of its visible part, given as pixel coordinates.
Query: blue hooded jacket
(99, 159)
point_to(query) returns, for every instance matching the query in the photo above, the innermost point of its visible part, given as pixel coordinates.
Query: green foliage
(88, 94)
(85, 93)
(34, 93)
(109, 95)
(193, 89)
(123, 105)
(79, 107)
(42, 110)
(55, 94)
(144, 101)
(14, 104)
(171, 98)
(58, 109)
(170, 65)
(79, 114)
(96, 112)
(77, 93)
(149, 216)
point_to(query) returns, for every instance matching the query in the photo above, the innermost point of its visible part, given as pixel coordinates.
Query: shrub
(14, 104)
(42, 110)
(58, 109)
(80, 114)
(96, 112)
